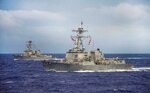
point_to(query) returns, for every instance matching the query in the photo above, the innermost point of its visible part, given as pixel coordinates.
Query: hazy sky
(116, 26)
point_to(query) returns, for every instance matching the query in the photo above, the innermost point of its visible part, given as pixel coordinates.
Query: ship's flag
(73, 39)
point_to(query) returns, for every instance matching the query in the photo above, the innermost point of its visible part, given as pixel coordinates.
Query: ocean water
(31, 77)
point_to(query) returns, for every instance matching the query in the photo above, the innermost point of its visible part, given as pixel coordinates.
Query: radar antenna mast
(78, 39)
(29, 45)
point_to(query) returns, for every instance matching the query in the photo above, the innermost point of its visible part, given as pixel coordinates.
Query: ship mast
(29, 45)
(78, 39)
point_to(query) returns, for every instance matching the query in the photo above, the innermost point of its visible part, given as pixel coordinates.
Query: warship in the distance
(78, 59)
(31, 54)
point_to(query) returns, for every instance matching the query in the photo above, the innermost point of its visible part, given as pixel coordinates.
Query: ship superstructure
(30, 52)
(79, 55)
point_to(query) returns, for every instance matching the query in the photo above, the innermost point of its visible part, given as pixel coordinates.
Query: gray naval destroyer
(78, 59)
(31, 54)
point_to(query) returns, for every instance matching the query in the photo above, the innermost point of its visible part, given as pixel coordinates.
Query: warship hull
(18, 58)
(56, 66)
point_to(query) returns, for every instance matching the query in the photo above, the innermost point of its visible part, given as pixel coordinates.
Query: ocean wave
(9, 82)
(137, 58)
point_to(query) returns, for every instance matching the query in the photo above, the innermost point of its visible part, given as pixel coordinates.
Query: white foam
(84, 71)
(137, 58)
(9, 82)
(53, 70)
(141, 69)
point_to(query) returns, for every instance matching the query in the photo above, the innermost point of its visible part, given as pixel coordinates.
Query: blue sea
(32, 77)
